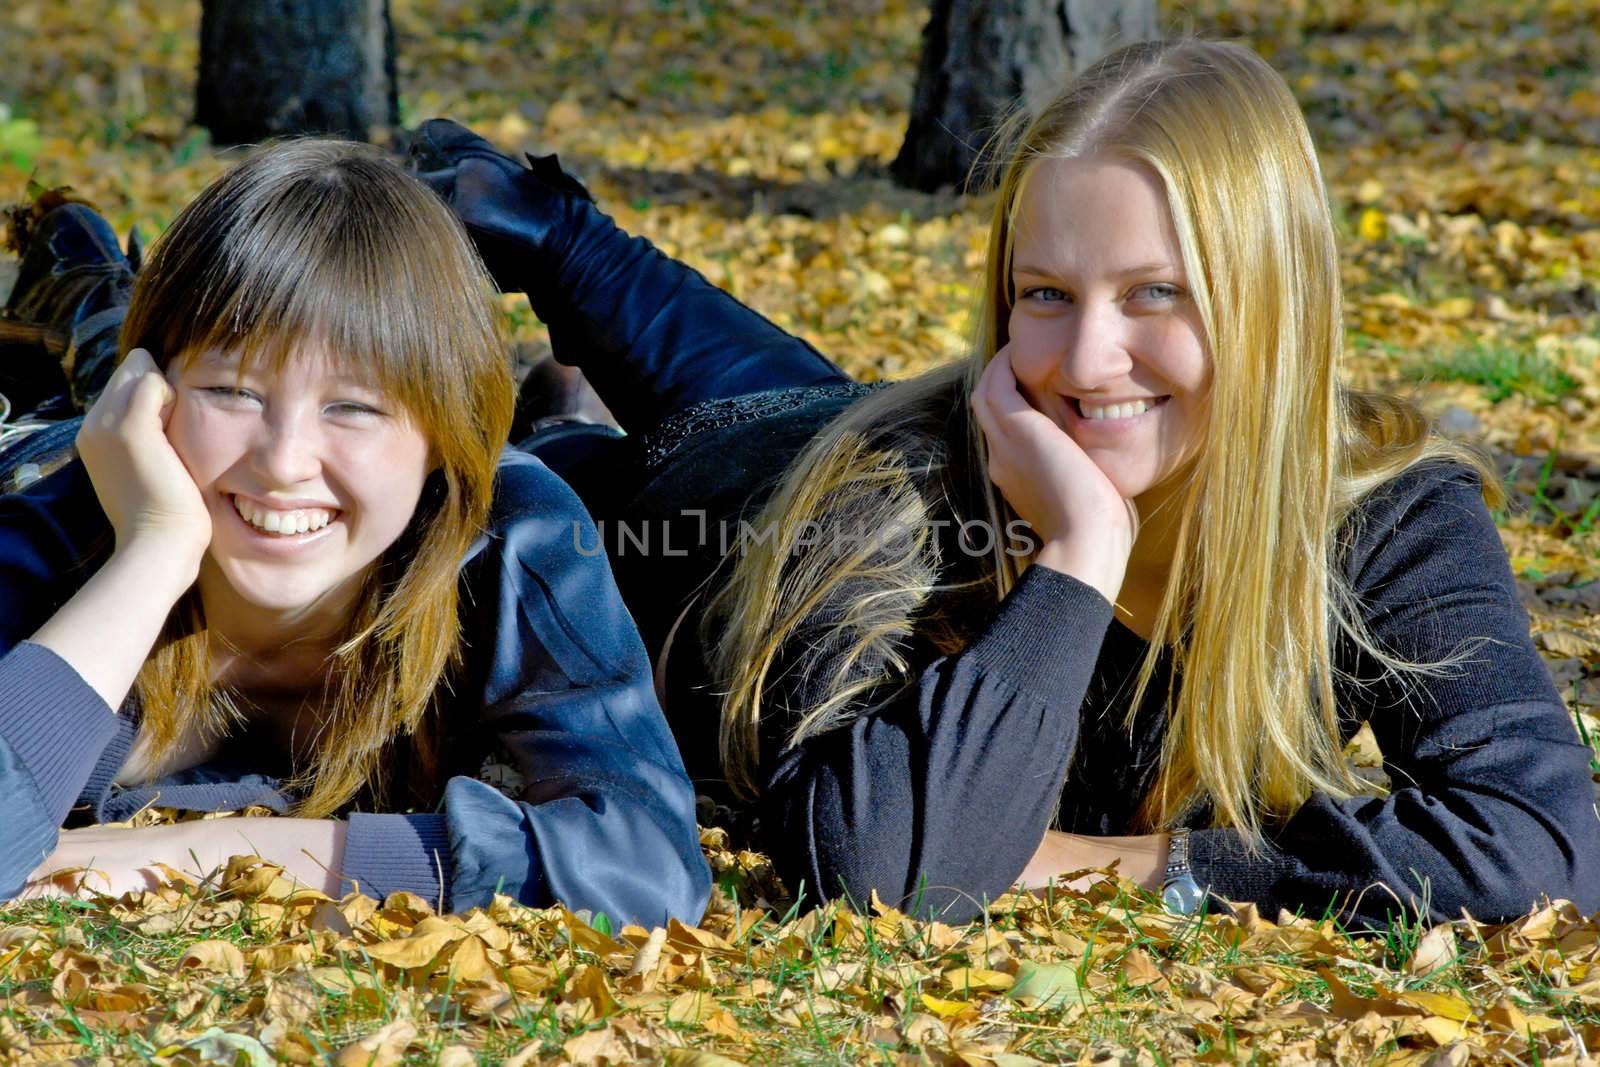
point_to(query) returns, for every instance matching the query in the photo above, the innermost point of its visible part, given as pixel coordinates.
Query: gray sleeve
(53, 728)
(1492, 804)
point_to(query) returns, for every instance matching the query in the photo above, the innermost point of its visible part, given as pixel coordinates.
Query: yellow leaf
(587, 987)
(977, 980)
(588, 938)
(947, 1009)
(470, 961)
(1372, 226)
(418, 950)
(1445, 1005)
(1443, 1031)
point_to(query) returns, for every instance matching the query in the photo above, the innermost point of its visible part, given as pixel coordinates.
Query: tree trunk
(271, 68)
(982, 57)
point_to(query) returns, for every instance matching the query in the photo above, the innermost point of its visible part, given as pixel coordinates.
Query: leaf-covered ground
(1462, 148)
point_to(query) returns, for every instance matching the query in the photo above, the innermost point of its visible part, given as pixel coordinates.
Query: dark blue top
(554, 682)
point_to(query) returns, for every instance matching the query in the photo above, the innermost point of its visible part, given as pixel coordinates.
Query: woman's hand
(1086, 527)
(115, 859)
(144, 488)
(1142, 859)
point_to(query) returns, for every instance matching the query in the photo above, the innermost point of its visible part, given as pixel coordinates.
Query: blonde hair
(328, 241)
(1255, 597)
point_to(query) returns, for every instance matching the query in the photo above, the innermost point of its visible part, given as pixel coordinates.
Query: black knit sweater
(938, 793)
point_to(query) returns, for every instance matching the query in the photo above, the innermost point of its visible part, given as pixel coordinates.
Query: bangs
(343, 254)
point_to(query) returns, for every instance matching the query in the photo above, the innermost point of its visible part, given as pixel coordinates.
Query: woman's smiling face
(308, 474)
(1104, 338)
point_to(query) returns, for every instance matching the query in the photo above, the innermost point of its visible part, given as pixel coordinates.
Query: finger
(149, 398)
(984, 394)
(133, 366)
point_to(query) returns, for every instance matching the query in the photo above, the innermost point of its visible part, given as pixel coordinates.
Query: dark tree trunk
(981, 57)
(271, 68)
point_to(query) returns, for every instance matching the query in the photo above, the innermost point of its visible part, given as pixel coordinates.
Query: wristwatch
(1179, 891)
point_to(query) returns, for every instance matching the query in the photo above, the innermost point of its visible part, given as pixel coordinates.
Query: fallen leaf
(1040, 986)
(385, 1048)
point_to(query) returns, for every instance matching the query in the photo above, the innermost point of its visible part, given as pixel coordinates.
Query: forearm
(120, 859)
(106, 631)
(1141, 859)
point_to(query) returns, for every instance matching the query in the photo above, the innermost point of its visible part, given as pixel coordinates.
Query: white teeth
(1115, 411)
(282, 522)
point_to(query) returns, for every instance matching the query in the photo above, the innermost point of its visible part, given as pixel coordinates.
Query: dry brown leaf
(691, 1008)
(1435, 950)
(694, 1057)
(456, 1056)
(587, 987)
(385, 1048)
(214, 957)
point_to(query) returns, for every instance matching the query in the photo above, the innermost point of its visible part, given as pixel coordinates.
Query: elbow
(821, 860)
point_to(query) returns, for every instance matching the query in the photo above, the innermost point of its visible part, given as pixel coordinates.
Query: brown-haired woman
(297, 568)
(1231, 560)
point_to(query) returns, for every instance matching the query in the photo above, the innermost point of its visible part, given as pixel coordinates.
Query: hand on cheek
(144, 488)
(1085, 525)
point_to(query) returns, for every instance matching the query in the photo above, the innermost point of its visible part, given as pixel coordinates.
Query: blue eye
(1158, 291)
(1045, 293)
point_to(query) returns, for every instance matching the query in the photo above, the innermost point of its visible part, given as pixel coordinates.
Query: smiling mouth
(1126, 410)
(282, 523)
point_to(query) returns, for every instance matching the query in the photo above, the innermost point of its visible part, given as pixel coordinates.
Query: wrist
(167, 560)
(1095, 566)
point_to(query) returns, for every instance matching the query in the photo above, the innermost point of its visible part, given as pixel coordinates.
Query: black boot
(61, 321)
(650, 333)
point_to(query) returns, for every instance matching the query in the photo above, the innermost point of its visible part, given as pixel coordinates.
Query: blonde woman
(296, 568)
(1118, 588)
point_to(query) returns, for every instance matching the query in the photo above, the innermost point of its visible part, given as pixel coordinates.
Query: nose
(1096, 348)
(287, 450)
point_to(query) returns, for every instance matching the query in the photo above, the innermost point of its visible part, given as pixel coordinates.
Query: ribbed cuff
(1223, 863)
(55, 723)
(1047, 633)
(386, 854)
(97, 790)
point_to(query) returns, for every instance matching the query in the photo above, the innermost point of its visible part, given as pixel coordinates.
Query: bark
(981, 58)
(272, 68)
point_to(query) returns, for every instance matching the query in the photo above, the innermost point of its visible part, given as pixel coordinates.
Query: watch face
(1182, 896)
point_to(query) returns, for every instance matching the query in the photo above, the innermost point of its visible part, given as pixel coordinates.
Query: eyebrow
(231, 362)
(1157, 267)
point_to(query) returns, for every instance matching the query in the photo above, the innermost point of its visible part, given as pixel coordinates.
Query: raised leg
(650, 333)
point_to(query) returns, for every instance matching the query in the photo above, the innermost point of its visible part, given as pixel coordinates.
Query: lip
(278, 543)
(275, 504)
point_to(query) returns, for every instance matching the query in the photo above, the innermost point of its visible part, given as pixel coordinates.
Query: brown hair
(329, 240)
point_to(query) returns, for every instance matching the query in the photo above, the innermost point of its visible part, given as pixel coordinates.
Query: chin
(276, 592)
(1131, 480)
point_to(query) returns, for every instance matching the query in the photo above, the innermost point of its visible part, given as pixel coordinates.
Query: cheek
(1179, 356)
(207, 445)
(387, 471)
(1032, 357)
